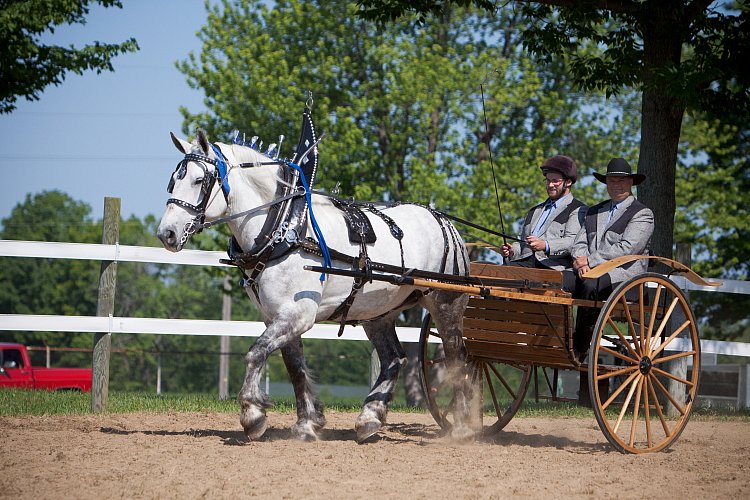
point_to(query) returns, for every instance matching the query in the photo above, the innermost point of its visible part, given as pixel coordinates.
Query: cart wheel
(638, 346)
(505, 386)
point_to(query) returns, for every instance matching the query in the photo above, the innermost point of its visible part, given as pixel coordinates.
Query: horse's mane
(253, 175)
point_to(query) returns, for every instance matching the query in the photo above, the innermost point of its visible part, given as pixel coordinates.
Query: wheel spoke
(436, 361)
(436, 389)
(636, 407)
(502, 381)
(622, 337)
(619, 390)
(673, 377)
(681, 354)
(652, 318)
(670, 338)
(631, 326)
(617, 373)
(657, 405)
(641, 313)
(627, 401)
(663, 324)
(647, 414)
(617, 354)
(491, 386)
(667, 394)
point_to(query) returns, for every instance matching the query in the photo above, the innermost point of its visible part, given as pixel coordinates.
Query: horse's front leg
(382, 334)
(253, 401)
(310, 418)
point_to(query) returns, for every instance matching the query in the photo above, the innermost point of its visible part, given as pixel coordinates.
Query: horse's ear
(183, 146)
(203, 141)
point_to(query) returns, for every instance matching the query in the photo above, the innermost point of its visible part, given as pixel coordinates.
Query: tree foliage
(401, 105)
(28, 66)
(680, 54)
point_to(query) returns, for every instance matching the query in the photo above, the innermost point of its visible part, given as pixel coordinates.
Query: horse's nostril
(167, 237)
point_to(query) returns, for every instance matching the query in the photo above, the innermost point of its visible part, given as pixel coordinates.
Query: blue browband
(221, 165)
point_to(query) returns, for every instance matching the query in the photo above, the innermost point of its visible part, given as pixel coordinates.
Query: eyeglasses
(553, 181)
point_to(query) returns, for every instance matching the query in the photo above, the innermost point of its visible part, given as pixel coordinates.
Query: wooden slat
(542, 356)
(517, 306)
(517, 273)
(506, 326)
(511, 337)
(512, 316)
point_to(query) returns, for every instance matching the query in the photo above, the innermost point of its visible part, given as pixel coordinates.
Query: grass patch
(19, 402)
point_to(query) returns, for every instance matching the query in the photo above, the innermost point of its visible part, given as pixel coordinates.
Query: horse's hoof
(367, 430)
(463, 434)
(304, 432)
(253, 422)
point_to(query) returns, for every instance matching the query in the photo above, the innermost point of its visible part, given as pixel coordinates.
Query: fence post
(226, 315)
(678, 367)
(105, 307)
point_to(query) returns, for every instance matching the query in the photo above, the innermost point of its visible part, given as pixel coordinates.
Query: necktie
(611, 213)
(548, 207)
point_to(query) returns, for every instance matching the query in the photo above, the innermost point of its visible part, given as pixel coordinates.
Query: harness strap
(259, 208)
(358, 283)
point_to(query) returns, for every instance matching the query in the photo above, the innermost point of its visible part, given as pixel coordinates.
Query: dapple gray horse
(291, 299)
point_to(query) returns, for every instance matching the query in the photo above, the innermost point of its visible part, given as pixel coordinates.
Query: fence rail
(126, 253)
(157, 326)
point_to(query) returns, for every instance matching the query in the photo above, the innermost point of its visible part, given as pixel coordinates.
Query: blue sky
(108, 134)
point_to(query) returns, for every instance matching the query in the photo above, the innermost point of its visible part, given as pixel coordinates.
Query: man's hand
(536, 244)
(506, 251)
(581, 265)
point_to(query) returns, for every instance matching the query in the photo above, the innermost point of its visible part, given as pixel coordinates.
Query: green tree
(27, 66)
(401, 105)
(681, 54)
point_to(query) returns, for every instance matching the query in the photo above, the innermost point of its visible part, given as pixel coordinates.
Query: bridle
(220, 173)
(196, 224)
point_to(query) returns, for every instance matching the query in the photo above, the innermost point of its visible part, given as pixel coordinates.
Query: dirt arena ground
(197, 455)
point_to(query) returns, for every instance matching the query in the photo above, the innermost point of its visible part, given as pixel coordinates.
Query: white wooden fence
(124, 253)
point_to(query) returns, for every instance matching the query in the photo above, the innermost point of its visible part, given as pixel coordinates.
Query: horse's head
(196, 193)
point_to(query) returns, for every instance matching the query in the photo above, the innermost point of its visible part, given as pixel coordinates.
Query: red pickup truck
(16, 371)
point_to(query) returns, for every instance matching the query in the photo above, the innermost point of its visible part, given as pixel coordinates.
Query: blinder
(208, 181)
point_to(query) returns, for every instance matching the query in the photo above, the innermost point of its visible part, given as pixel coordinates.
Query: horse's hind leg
(309, 408)
(382, 334)
(447, 310)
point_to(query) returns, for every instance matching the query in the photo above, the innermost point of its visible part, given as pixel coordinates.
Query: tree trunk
(660, 134)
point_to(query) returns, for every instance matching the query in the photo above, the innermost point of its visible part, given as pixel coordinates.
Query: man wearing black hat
(550, 227)
(619, 226)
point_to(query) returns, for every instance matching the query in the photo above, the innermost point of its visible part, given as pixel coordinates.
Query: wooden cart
(642, 367)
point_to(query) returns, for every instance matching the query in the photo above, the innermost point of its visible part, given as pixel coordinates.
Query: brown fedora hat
(619, 167)
(562, 164)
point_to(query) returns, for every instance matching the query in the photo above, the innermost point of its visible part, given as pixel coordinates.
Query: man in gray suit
(550, 227)
(619, 226)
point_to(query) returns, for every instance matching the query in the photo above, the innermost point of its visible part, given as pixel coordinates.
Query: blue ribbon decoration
(221, 164)
(316, 228)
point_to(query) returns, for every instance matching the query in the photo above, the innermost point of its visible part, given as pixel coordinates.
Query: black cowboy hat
(619, 167)
(562, 164)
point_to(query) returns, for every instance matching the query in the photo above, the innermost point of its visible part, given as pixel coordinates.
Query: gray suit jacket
(628, 233)
(559, 231)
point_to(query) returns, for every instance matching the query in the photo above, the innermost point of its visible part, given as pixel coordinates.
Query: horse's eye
(198, 181)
